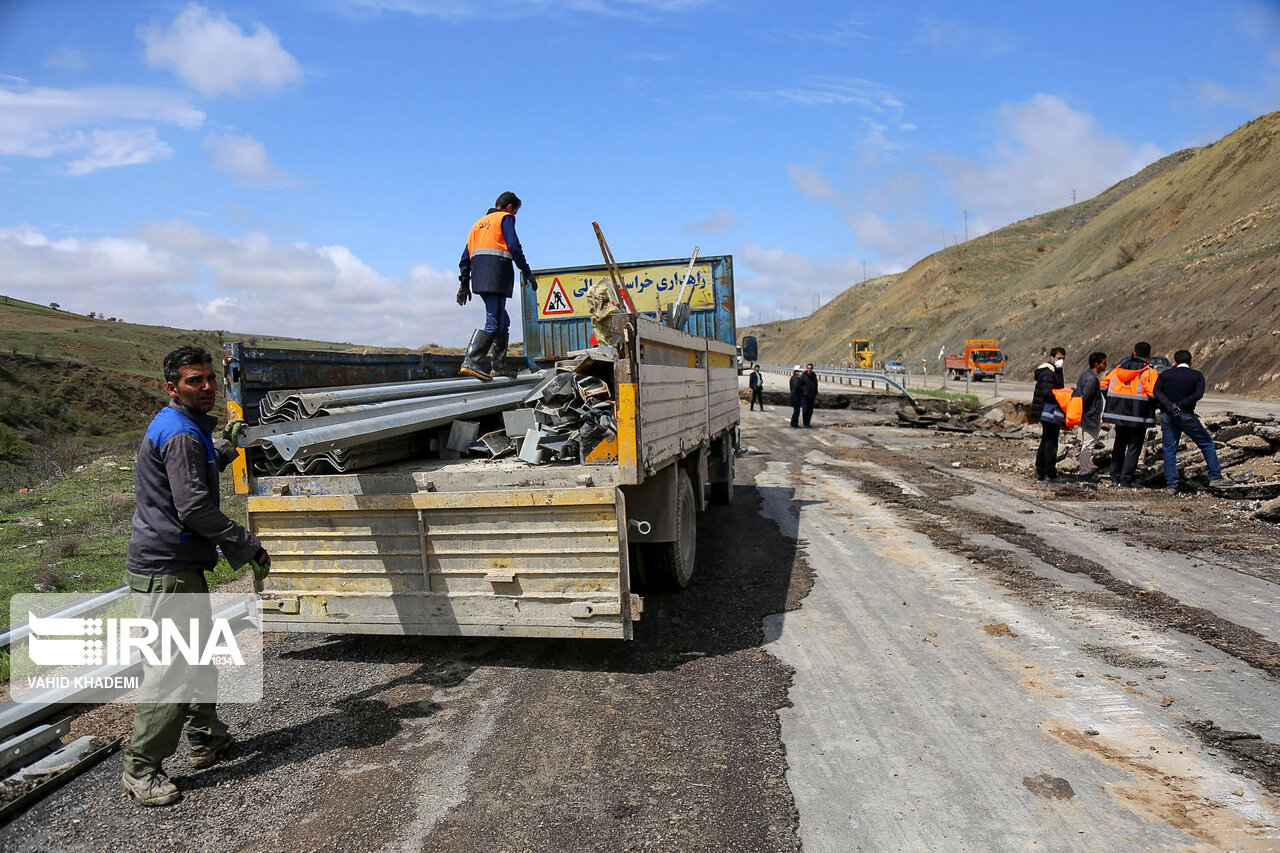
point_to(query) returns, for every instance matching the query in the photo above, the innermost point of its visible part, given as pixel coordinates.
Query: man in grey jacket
(178, 528)
(1090, 394)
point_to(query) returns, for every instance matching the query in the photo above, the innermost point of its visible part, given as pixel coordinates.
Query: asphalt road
(880, 651)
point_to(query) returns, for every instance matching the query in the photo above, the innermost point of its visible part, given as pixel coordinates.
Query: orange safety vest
(1130, 396)
(486, 236)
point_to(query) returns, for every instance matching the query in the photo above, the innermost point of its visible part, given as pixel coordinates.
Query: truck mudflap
(515, 562)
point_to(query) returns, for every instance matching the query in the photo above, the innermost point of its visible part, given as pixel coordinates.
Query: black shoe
(1040, 478)
(1054, 480)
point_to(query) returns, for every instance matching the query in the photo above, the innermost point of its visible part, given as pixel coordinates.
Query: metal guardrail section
(17, 632)
(19, 716)
(847, 376)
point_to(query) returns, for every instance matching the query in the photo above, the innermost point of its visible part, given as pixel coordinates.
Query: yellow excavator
(860, 354)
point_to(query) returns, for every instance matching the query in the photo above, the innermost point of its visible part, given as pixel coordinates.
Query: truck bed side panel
(520, 562)
(723, 406)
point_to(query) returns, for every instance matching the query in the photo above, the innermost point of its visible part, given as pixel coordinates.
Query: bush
(11, 445)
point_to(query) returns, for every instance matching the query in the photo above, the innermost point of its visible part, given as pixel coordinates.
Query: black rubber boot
(480, 341)
(498, 357)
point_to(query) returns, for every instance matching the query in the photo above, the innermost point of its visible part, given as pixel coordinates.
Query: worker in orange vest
(1048, 376)
(485, 269)
(1130, 387)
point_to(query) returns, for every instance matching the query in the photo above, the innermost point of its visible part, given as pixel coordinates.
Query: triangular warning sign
(557, 300)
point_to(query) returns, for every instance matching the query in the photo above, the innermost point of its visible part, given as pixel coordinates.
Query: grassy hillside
(69, 383)
(1183, 254)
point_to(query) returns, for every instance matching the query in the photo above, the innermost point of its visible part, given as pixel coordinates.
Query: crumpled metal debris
(568, 414)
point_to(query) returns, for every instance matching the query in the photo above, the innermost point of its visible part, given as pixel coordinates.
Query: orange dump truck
(982, 356)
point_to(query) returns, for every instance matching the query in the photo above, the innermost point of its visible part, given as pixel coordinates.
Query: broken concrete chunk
(1250, 443)
(1269, 511)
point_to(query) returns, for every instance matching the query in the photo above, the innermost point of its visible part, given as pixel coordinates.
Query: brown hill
(1182, 254)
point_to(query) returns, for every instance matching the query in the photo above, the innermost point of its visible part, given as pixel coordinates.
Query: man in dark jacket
(797, 396)
(1177, 391)
(808, 392)
(178, 528)
(1048, 375)
(1130, 408)
(1090, 394)
(756, 383)
(485, 268)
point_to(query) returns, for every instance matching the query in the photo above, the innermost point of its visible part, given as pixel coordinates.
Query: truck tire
(722, 492)
(670, 564)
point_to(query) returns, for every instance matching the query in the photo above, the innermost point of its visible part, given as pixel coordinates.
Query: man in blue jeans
(485, 269)
(1177, 391)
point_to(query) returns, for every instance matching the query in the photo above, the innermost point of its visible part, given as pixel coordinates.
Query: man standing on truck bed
(485, 268)
(177, 529)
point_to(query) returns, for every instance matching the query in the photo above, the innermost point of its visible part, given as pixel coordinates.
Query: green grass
(70, 533)
(970, 399)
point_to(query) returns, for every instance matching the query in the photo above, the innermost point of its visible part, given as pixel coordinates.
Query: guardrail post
(967, 377)
(996, 380)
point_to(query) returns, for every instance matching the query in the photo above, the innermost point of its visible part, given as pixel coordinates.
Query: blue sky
(312, 168)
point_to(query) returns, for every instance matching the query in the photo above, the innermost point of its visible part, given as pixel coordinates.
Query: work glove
(261, 565)
(1175, 410)
(464, 291)
(231, 432)
(532, 280)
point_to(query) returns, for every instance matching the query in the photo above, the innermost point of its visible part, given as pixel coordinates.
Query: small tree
(55, 306)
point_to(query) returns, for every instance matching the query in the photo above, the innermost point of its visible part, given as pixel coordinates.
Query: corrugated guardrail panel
(536, 562)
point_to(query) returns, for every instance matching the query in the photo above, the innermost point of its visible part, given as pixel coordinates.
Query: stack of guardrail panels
(565, 417)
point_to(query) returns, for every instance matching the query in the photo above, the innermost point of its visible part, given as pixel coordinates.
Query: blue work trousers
(1171, 429)
(496, 321)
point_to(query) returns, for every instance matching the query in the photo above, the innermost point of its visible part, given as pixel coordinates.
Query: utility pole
(1073, 208)
(966, 226)
(864, 271)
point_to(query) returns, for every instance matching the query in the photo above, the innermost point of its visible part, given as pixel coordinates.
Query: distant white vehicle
(894, 367)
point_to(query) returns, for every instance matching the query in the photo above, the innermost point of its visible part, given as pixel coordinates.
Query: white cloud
(812, 182)
(949, 37)
(245, 159)
(176, 273)
(772, 281)
(721, 219)
(42, 122)
(456, 10)
(33, 261)
(110, 148)
(1043, 150)
(840, 91)
(213, 55)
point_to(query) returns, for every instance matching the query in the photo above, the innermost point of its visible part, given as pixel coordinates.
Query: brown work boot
(154, 789)
(206, 753)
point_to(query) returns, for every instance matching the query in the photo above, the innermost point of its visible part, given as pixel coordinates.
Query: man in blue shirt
(1178, 390)
(178, 529)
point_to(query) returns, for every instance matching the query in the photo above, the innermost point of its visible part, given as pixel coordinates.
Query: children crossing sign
(557, 302)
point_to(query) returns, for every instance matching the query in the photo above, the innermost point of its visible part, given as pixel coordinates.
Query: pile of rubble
(565, 418)
(1248, 449)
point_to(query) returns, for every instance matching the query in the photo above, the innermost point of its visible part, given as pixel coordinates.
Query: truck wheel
(722, 492)
(670, 564)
